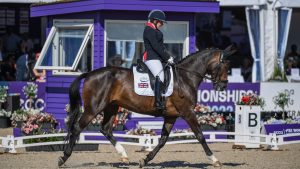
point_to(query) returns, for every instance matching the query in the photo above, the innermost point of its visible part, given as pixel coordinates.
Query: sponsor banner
(38, 103)
(269, 91)
(282, 129)
(224, 101)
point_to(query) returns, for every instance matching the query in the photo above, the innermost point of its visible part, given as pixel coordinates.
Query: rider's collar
(150, 25)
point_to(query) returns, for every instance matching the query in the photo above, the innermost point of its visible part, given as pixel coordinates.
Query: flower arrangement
(32, 120)
(4, 113)
(214, 119)
(97, 120)
(3, 94)
(200, 108)
(251, 100)
(206, 117)
(30, 90)
(141, 131)
(36, 122)
(121, 117)
(18, 116)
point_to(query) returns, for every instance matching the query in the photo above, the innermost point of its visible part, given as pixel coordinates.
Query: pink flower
(26, 130)
(35, 126)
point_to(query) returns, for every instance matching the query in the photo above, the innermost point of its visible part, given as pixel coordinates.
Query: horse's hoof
(217, 164)
(61, 161)
(125, 160)
(142, 163)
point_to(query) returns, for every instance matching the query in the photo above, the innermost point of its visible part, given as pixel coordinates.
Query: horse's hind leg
(195, 126)
(167, 127)
(106, 130)
(83, 122)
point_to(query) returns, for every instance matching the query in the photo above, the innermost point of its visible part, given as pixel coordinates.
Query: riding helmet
(157, 14)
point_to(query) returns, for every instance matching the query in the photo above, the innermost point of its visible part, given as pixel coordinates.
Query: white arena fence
(147, 142)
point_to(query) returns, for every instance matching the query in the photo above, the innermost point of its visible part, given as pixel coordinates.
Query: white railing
(11, 143)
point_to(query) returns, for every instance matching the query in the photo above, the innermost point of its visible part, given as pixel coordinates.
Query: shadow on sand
(169, 164)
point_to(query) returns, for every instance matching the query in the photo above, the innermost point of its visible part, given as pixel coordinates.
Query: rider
(155, 52)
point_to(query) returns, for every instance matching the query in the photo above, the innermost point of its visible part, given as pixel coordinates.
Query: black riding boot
(157, 91)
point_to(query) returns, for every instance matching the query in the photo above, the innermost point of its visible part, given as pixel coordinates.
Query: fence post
(11, 144)
(273, 145)
(81, 138)
(148, 142)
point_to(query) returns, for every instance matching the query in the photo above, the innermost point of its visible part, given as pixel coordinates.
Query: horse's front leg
(167, 127)
(191, 119)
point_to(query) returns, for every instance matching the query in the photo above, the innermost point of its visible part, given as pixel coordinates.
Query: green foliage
(278, 75)
(3, 94)
(282, 99)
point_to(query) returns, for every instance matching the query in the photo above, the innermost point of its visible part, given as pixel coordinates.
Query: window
(125, 39)
(68, 48)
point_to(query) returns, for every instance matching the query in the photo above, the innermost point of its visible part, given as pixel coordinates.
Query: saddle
(141, 67)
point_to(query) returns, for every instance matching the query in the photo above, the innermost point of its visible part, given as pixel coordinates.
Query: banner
(282, 129)
(224, 101)
(16, 88)
(269, 91)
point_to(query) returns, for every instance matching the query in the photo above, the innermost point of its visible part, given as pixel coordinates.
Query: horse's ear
(229, 51)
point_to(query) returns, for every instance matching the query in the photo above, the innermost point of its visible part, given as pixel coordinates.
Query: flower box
(59, 147)
(247, 121)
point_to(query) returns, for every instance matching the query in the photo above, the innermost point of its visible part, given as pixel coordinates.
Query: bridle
(215, 79)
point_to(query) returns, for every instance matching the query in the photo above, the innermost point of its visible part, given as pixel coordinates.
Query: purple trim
(130, 5)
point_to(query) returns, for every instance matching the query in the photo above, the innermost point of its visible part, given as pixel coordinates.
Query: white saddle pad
(142, 84)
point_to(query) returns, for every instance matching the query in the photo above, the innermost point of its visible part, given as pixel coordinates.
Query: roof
(67, 7)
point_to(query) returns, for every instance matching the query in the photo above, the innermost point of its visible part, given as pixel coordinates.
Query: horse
(107, 88)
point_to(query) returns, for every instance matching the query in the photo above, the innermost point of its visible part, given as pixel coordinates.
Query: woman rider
(155, 52)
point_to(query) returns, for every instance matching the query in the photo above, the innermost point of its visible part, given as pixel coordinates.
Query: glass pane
(127, 43)
(128, 31)
(173, 32)
(128, 51)
(64, 47)
(85, 62)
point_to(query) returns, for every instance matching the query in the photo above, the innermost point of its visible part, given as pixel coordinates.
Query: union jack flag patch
(143, 85)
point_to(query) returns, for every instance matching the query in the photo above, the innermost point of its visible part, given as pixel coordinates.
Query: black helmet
(157, 14)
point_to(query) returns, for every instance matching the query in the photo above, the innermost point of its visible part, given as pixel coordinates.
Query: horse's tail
(75, 104)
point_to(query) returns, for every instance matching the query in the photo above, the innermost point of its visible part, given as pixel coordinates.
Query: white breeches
(156, 68)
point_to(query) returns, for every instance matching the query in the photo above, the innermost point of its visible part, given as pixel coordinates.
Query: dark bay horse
(107, 88)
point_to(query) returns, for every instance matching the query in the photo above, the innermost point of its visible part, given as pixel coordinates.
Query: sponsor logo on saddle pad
(142, 84)
(144, 79)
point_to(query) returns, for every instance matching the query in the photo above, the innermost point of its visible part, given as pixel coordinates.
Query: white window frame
(66, 23)
(185, 44)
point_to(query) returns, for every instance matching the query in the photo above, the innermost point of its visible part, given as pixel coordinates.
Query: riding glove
(171, 60)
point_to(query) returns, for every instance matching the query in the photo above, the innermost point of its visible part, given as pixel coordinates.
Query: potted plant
(30, 91)
(278, 75)
(282, 101)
